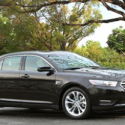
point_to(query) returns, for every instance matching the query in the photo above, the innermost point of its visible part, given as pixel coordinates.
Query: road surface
(23, 116)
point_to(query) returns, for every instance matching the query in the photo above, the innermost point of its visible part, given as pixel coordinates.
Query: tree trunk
(63, 46)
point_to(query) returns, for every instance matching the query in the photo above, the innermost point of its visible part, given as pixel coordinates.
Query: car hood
(104, 71)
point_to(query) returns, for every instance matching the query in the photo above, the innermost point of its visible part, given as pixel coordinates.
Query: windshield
(71, 61)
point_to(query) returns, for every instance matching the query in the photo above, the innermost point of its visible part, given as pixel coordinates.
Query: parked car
(60, 80)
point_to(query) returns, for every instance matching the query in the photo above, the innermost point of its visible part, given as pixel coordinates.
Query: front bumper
(109, 108)
(107, 98)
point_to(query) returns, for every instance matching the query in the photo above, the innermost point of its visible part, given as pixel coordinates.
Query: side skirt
(27, 103)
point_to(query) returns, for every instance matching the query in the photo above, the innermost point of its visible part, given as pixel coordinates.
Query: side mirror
(44, 69)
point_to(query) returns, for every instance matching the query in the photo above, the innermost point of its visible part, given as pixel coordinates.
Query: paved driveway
(21, 116)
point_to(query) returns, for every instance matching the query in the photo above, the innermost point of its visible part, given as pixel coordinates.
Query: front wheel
(76, 103)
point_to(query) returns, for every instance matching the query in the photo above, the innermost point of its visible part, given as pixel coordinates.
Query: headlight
(103, 83)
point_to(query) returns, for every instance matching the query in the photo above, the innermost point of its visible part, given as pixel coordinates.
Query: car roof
(36, 52)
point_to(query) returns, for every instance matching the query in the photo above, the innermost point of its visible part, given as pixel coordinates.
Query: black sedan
(60, 80)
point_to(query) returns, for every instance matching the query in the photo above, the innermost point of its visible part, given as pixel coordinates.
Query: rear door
(9, 81)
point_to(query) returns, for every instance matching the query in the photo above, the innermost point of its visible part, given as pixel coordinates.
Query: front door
(36, 87)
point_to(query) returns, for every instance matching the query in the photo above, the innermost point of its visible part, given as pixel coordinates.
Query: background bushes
(104, 56)
(119, 65)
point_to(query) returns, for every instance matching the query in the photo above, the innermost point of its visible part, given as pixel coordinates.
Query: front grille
(123, 84)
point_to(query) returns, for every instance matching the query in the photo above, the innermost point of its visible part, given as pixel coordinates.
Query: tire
(76, 103)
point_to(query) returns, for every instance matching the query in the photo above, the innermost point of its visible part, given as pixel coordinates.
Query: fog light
(107, 102)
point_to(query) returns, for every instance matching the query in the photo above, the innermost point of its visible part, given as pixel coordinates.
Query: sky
(101, 33)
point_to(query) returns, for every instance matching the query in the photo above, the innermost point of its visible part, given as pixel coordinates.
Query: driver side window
(33, 62)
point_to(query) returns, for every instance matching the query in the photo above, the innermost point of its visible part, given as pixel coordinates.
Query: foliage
(92, 50)
(44, 30)
(33, 6)
(116, 40)
(118, 65)
(61, 37)
(5, 33)
(104, 56)
(35, 25)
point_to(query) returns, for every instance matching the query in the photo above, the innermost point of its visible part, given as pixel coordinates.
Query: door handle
(25, 76)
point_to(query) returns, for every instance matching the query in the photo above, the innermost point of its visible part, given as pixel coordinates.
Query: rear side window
(12, 63)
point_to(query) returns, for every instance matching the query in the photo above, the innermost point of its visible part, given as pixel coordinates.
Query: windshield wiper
(73, 68)
(94, 67)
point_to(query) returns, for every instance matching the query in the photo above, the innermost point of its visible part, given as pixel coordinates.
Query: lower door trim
(24, 101)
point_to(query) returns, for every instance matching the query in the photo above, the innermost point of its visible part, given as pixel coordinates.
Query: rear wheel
(76, 103)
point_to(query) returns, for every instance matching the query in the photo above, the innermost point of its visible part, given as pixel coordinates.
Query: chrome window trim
(31, 55)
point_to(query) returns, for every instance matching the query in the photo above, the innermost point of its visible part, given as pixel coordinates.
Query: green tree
(32, 6)
(6, 32)
(16, 35)
(45, 30)
(57, 36)
(116, 40)
(106, 57)
(92, 50)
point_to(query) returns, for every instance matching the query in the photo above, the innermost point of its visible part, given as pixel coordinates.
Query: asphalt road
(16, 116)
